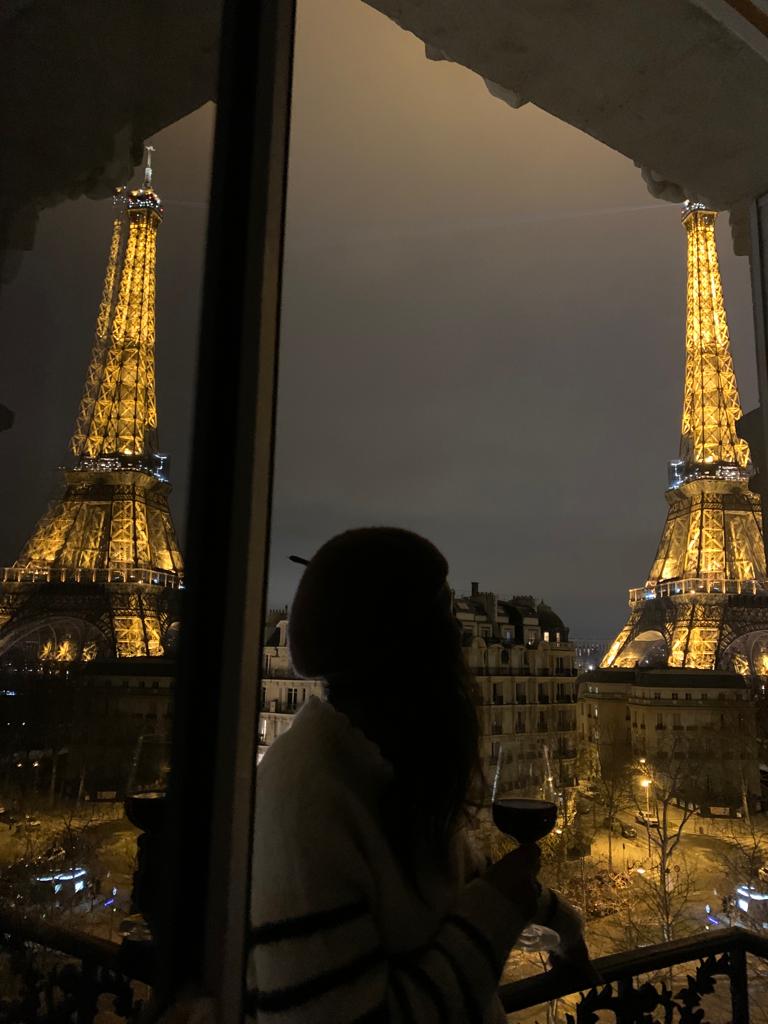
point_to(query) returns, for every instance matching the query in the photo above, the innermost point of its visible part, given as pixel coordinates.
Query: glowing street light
(646, 784)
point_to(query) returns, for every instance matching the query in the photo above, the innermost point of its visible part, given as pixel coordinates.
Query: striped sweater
(339, 936)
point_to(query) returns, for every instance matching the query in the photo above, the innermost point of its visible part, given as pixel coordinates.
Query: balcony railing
(631, 994)
(145, 577)
(54, 974)
(714, 584)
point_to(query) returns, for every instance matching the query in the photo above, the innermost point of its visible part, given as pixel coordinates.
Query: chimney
(475, 588)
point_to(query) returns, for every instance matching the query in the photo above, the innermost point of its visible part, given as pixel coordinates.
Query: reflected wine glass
(527, 813)
(148, 783)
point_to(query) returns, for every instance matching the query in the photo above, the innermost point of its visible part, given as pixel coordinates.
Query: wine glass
(148, 782)
(527, 813)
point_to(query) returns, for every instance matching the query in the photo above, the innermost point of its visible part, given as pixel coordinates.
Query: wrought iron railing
(643, 987)
(53, 974)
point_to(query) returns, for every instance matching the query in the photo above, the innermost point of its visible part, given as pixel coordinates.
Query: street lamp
(646, 784)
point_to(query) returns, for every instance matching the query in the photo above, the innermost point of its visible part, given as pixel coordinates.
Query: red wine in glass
(146, 810)
(526, 820)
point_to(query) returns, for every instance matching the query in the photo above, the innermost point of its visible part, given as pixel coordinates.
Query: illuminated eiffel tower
(705, 602)
(100, 575)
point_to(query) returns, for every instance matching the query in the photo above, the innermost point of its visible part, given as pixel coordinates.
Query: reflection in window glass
(101, 320)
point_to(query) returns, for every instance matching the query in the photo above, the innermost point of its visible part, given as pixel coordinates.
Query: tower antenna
(148, 167)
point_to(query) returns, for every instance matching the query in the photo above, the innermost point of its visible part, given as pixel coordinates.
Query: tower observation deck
(100, 574)
(705, 602)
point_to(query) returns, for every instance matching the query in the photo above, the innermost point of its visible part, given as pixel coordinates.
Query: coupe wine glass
(527, 812)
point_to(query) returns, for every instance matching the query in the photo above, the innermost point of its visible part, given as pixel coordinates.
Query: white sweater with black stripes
(339, 935)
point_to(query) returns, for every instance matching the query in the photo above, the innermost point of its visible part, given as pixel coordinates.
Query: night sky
(483, 331)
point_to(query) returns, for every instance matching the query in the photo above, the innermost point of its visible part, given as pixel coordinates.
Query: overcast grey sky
(483, 334)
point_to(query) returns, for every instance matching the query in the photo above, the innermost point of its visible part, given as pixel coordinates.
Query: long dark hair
(373, 615)
(427, 728)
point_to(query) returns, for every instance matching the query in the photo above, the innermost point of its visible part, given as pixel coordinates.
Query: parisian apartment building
(694, 727)
(523, 663)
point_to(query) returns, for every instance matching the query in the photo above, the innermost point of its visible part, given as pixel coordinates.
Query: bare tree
(657, 907)
(612, 779)
(672, 782)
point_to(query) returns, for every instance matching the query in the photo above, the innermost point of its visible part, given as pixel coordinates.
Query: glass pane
(103, 262)
(484, 341)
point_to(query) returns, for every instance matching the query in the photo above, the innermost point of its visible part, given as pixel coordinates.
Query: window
(498, 693)
(292, 698)
(674, 696)
(546, 636)
(687, 696)
(657, 696)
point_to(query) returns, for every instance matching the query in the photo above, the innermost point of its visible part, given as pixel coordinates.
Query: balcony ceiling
(678, 86)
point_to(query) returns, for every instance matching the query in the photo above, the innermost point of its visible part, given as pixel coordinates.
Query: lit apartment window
(546, 636)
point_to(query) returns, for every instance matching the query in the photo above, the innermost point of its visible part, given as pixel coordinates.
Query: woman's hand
(515, 876)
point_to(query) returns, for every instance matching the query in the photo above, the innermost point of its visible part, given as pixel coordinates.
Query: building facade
(283, 693)
(523, 663)
(695, 727)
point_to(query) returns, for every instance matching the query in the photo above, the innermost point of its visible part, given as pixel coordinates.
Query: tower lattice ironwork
(705, 602)
(100, 575)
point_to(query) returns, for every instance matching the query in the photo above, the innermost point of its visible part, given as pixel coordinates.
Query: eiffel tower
(100, 575)
(705, 602)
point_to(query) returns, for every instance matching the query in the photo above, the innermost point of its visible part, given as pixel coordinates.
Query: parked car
(28, 824)
(627, 831)
(7, 818)
(647, 819)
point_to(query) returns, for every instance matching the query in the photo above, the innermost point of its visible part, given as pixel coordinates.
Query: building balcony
(704, 977)
(280, 707)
